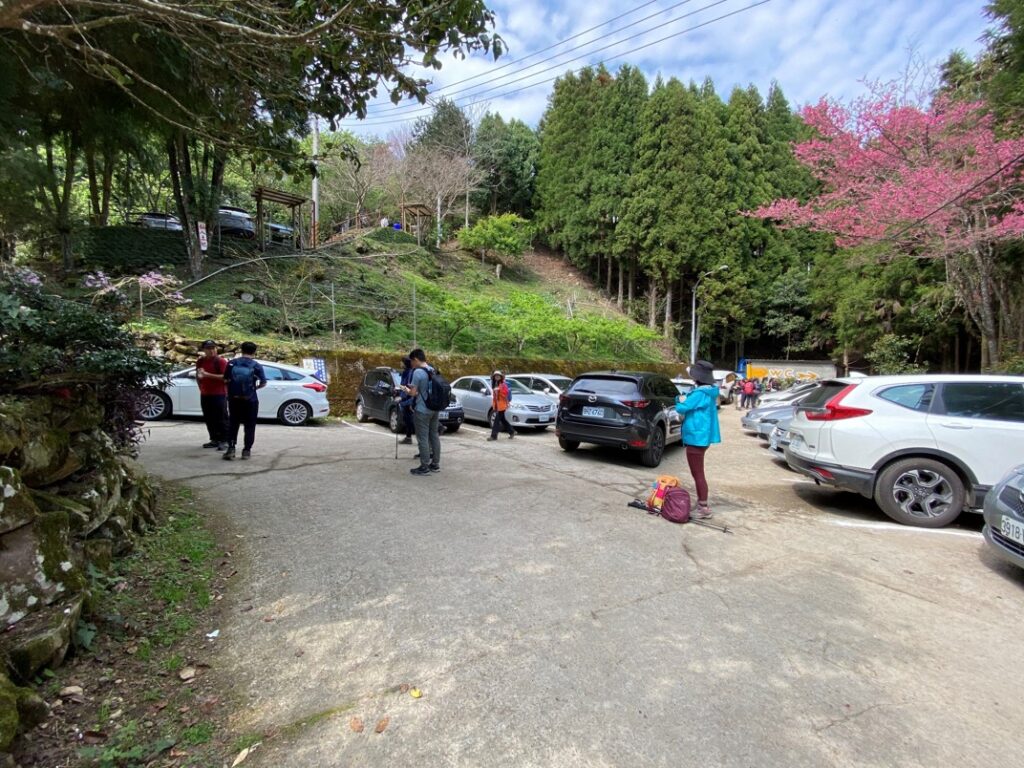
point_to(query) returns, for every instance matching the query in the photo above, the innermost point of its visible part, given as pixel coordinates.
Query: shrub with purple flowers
(151, 288)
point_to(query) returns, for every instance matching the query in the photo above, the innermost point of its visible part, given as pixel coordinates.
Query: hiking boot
(701, 512)
(229, 454)
(407, 441)
(245, 454)
(512, 435)
(421, 470)
(222, 446)
(211, 444)
(434, 467)
(492, 437)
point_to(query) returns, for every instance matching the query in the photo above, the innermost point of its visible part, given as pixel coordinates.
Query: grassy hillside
(461, 305)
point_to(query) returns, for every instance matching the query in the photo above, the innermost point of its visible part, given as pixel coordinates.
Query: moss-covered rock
(9, 719)
(78, 513)
(17, 507)
(38, 567)
(43, 640)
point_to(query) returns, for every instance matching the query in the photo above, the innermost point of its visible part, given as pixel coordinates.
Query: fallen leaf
(187, 673)
(159, 706)
(382, 724)
(403, 688)
(178, 753)
(299, 652)
(268, 618)
(415, 693)
(94, 737)
(240, 758)
(71, 690)
(356, 724)
(246, 608)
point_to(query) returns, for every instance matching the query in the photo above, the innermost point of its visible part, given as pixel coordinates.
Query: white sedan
(293, 396)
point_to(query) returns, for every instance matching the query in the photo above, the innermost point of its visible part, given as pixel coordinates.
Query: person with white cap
(500, 396)
(699, 410)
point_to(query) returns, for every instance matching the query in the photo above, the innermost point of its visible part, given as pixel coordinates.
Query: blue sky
(811, 47)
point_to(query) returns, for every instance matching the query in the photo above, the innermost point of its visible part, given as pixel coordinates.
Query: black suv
(629, 410)
(376, 400)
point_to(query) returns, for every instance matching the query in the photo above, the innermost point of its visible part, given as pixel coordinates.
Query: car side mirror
(547, 390)
(488, 392)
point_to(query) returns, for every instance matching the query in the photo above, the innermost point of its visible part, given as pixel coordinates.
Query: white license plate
(544, 419)
(595, 412)
(1012, 529)
(773, 442)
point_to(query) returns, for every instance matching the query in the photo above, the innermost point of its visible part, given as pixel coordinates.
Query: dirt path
(556, 271)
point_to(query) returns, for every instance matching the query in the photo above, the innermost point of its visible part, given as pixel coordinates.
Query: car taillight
(834, 410)
(316, 386)
(635, 403)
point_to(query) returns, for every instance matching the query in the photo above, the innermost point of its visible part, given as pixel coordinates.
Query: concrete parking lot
(548, 624)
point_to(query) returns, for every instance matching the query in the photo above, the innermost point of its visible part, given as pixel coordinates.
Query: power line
(603, 61)
(659, 12)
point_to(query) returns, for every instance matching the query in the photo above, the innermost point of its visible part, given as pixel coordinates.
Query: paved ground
(547, 624)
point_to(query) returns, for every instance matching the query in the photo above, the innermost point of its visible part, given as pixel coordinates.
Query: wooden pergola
(418, 212)
(294, 203)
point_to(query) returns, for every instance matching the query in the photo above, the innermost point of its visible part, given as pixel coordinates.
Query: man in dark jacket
(243, 376)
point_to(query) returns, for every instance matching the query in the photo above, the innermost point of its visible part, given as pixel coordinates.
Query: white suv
(923, 447)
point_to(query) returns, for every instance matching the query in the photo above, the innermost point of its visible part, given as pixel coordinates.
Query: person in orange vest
(500, 396)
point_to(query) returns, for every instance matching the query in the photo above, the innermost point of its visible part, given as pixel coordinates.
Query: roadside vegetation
(135, 691)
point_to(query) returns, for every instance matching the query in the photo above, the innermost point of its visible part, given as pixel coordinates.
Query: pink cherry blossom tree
(931, 183)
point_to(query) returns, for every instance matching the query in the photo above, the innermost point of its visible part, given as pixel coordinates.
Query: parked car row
(376, 400)
(231, 222)
(925, 448)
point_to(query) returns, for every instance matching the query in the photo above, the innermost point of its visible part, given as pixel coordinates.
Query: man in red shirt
(213, 394)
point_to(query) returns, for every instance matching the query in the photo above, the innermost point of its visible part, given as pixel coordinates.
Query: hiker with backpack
(500, 398)
(431, 394)
(244, 376)
(699, 410)
(749, 393)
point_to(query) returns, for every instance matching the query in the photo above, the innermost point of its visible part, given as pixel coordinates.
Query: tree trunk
(180, 164)
(652, 306)
(667, 331)
(631, 285)
(622, 285)
(58, 201)
(611, 269)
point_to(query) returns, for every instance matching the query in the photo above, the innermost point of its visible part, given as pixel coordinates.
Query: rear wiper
(588, 391)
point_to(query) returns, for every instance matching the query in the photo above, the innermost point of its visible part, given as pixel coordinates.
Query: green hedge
(129, 249)
(388, 235)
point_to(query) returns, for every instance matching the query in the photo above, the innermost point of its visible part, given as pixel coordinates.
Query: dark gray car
(1004, 517)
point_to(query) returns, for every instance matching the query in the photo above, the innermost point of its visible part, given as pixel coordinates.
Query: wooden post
(259, 222)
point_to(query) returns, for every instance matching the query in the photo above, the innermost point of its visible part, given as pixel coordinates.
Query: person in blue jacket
(699, 410)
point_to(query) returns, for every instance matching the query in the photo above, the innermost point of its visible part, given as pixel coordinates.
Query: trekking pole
(396, 446)
(706, 524)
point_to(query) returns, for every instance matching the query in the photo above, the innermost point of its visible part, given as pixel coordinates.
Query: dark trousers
(501, 424)
(215, 414)
(695, 458)
(407, 420)
(243, 413)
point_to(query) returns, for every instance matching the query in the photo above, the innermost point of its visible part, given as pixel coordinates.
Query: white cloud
(811, 47)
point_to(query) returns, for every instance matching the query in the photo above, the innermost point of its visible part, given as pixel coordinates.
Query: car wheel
(651, 456)
(154, 405)
(568, 445)
(920, 492)
(452, 429)
(294, 413)
(394, 420)
(361, 416)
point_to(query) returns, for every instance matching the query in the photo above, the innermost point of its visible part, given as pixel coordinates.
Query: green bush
(391, 236)
(50, 345)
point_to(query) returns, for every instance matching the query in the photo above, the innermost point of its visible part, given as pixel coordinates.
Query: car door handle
(955, 425)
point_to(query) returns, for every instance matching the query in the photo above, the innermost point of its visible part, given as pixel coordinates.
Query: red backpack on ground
(675, 506)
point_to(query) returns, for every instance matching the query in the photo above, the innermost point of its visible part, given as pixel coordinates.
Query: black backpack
(439, 392)
(242, 378)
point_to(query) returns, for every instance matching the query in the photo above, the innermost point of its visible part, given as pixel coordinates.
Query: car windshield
(517, 387)
(562, 382)
(608, 386)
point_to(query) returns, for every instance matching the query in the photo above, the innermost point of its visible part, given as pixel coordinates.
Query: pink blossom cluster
(884, 166)
(98, 281)
(26, 277)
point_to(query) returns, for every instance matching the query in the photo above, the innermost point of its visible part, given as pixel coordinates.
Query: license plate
(544, 419)
(1012, 529)
(595, 412)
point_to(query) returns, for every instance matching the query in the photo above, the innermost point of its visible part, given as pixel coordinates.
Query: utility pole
(314, 234)
(439, 220)
(414, 344)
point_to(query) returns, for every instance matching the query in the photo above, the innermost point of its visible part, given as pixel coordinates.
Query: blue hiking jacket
(700, 417)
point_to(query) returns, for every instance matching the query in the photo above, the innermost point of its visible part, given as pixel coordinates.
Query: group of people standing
(228, 397)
